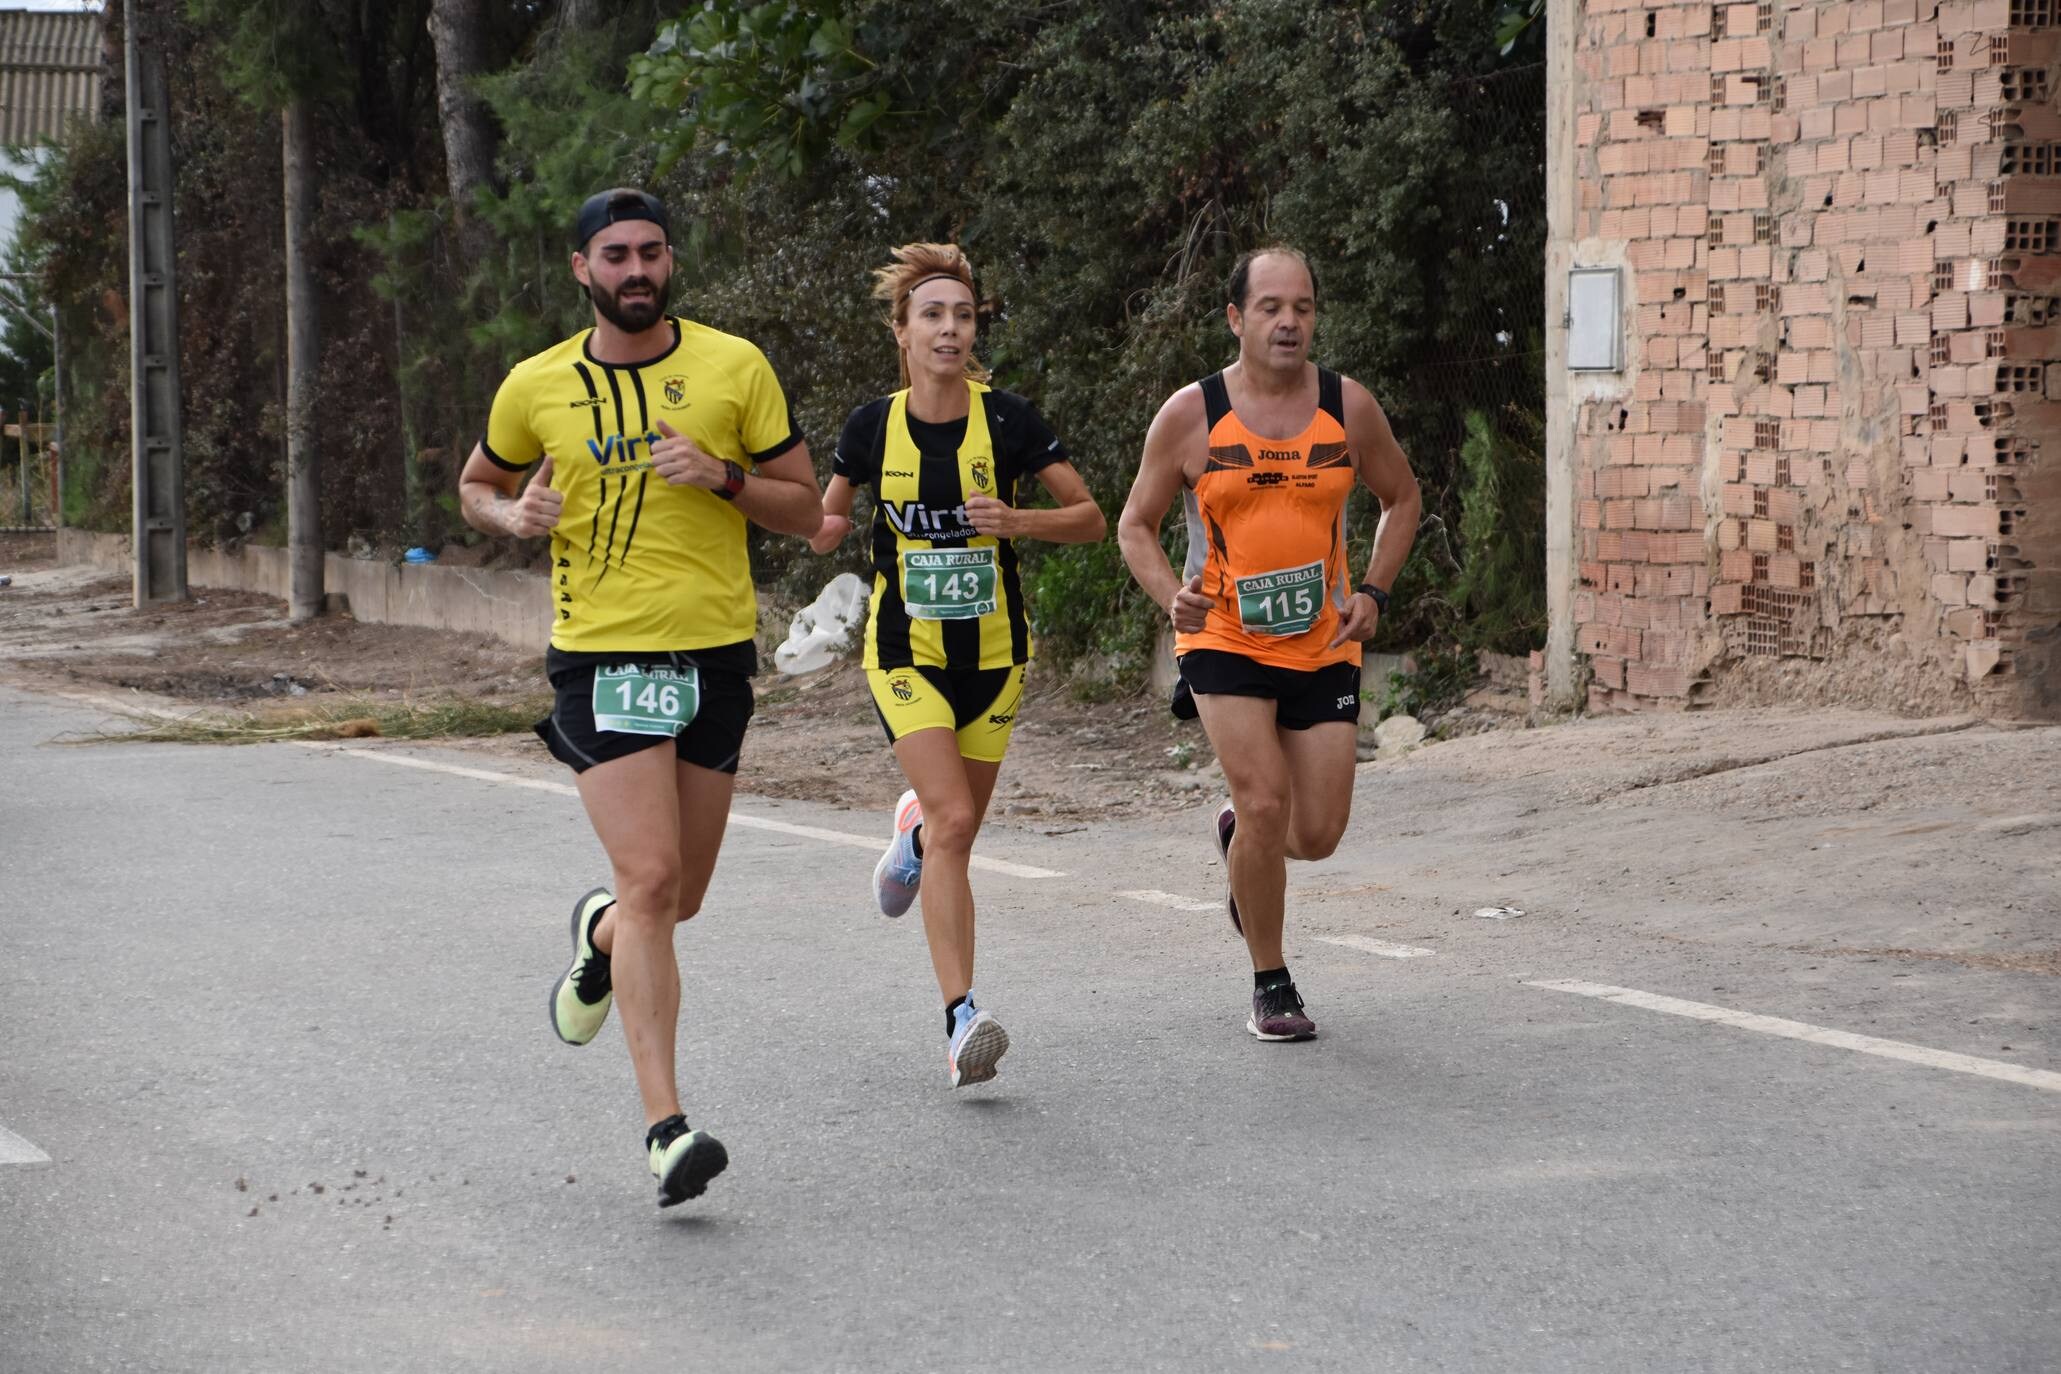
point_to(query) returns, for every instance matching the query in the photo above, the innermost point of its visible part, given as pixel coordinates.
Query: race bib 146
(646, 701)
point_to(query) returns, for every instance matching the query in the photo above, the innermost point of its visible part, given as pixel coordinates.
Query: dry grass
(345, 719)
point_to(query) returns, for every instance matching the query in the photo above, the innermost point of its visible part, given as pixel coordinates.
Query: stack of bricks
(1837, 230)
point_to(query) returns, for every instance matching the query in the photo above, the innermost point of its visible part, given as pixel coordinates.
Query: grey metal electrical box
(1593, 325)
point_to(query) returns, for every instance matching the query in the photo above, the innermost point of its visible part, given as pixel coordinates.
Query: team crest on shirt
(981, 473)
(901, 688)
(676, 390)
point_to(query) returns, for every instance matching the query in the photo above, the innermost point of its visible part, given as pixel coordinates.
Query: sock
(916, 839)
(1270, 978)
(665, 1131)
(952, 1010)
(594, 924)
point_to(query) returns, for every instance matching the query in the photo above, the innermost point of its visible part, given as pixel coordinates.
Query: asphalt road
(276, 1017)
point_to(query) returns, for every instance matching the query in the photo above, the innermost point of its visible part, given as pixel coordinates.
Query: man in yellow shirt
(651, 440)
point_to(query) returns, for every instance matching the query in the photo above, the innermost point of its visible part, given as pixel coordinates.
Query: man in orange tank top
(1268, 622)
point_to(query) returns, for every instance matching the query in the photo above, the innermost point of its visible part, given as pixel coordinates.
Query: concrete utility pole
(1563, 22)
(158, 521)
(57, 416)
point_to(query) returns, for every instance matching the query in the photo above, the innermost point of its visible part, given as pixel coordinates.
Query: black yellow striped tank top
(944, 595)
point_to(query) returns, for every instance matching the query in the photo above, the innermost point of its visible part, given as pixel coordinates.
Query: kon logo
(913, 517)
(618, 448)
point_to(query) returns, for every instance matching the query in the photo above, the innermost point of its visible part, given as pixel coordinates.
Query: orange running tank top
(1266, 529)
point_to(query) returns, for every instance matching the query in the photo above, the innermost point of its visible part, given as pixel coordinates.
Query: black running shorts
(1303, 697)
(713, 739)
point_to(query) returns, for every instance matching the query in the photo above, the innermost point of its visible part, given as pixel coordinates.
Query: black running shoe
(1277, 1015)
(1227, 822)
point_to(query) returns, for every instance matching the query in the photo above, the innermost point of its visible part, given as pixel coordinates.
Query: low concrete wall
(510, 606)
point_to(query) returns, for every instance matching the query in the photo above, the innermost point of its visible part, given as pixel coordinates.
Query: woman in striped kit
(948, 638)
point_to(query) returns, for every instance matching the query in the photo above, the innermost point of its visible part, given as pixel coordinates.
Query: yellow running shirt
(636, 562)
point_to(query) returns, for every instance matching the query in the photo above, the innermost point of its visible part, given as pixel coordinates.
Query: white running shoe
(900, 870)
(977, 1045)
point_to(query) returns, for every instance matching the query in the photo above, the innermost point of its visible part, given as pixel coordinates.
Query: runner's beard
(637, 316)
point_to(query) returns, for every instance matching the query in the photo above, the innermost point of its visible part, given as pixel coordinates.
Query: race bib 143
(949, 584)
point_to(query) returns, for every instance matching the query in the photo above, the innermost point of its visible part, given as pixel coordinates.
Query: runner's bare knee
(1263, 816)
(649, 892)
(693, 888)
(1317, 837)
(948, 828)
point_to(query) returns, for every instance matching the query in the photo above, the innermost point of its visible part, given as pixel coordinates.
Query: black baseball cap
(604, 208)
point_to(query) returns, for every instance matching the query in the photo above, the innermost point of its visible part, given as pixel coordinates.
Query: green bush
(1442, 674)
(1499, 593)
(1083, 604)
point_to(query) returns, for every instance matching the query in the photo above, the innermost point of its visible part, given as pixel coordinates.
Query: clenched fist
(682, 463)
(990, 516)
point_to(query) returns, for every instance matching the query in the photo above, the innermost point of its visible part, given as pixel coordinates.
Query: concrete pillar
(1563, 24)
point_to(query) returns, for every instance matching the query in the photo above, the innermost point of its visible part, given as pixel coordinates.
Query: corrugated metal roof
(50, 71)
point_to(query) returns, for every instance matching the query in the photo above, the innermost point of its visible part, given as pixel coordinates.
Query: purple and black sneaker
(1277, 1015)
(1227, 822)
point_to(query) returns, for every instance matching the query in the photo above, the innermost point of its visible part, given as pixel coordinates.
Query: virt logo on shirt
(918, 521)
(619, 448)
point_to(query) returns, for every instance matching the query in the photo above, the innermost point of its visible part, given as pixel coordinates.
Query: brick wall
(1836, 437)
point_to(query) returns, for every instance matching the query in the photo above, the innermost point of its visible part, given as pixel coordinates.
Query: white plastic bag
(823, 629)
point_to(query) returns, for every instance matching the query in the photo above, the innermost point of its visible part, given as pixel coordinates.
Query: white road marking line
(15, 1150)
(1816, 1035)
(1004, 866)
(1380, 947)
(737, 818)
(1172, 899)
(455, 770)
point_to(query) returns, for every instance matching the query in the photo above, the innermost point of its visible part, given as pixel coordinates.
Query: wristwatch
(733, 481)
(1380, 597)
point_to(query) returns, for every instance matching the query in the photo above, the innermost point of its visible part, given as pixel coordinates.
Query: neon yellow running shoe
(683, 1161)
(584, 992)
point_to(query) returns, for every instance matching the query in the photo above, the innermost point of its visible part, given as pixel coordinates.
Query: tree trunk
(303, 350)
(578, 16)
(458, 28)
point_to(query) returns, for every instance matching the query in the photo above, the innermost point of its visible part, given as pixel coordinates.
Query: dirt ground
(74, 630)
(1883, 836)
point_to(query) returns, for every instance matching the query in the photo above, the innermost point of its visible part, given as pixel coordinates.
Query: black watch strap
(733, 481)
(1380, 597)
